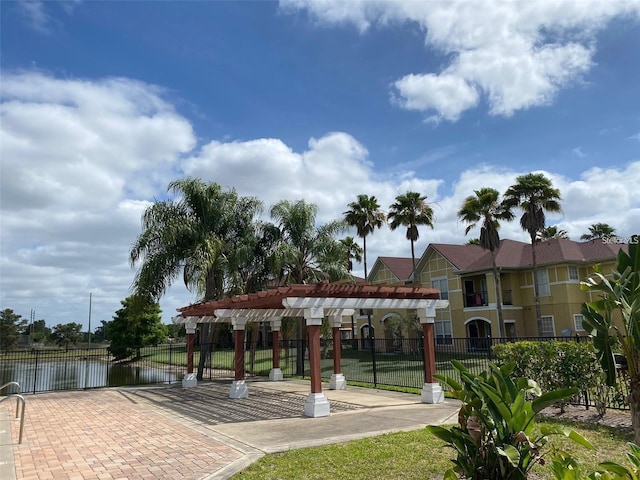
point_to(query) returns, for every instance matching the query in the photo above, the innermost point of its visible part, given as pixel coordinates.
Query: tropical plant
(306, 253)
(352, 250)
(534, 194)
(619, 296)
(366, 216)
(495, 437)
(485, 207)
(549, 233)
(598, 230)
(137, 324)
(195, 236)
(411, 210)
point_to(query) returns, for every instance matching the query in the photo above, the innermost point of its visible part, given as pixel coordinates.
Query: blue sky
(104, 103)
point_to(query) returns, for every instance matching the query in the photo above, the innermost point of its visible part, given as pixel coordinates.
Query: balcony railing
(480, 299)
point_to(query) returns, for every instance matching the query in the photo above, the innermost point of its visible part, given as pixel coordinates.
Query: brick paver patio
(107, 434)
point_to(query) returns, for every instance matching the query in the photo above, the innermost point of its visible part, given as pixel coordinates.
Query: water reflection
(79, 374)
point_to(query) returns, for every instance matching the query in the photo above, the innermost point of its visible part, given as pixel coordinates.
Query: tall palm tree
(195, 236)
(410, 210)
(534, 194)
(598, 230)
(366, 216)
(485, 207)
(549, 233)
(306, 253)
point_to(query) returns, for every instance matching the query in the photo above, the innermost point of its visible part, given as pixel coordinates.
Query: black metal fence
(392, 362)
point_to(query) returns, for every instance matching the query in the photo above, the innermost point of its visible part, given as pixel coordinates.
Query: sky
(103, 103)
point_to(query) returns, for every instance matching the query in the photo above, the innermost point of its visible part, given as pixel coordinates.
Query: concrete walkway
(199, 433)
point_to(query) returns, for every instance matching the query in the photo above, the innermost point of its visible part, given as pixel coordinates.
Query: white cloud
(36, 16)
(518, 55)
(81, 160)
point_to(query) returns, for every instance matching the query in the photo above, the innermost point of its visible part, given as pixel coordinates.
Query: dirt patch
(618, 419)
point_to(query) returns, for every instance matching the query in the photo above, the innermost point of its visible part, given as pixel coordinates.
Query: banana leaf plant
(613, 320)
(495, 437)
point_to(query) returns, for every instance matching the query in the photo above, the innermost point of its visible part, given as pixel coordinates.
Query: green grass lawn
(415, 455)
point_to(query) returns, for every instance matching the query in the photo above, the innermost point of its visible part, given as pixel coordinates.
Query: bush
(556, 365)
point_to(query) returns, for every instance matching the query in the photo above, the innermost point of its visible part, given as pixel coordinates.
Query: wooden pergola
(313, 303)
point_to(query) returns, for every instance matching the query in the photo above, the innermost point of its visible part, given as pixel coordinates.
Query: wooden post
(314, 358)
(238, 361)
(429, 353)
(336, 350)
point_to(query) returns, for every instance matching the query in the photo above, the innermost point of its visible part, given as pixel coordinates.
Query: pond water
(78, 374)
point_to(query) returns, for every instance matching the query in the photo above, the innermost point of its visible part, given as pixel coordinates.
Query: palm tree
(484, 207)
(306, 253)
(534, 194)
(598, 230)
(352, 250)
(195, 236)
(549, 233)
(366, 216)
(410, 210)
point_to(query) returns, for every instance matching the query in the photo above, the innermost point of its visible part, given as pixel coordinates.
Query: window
(443, 332)
(543, 283)
(441, 284)
(573, 273)
(546, 327)
(577, 322)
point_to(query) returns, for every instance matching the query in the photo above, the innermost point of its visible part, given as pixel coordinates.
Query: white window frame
(550, 319)
(577, 322)
(570, 270)
(544, 288)
(444, 336)
(444, 293)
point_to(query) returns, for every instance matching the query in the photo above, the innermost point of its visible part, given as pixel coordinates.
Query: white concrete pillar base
(238, 389)
(432, 393)
(275, 375)
(337, 382)
(189, 380)
(316, 405)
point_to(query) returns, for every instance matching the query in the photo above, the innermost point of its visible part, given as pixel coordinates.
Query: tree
(10, 326)
(306, 253)
(38, 331)
(366, 216)
(534, 194)
(67, 334)
(195, 235)
(549, 233)
(598, 230)
(137, 324)
(352, 250)
(485, 207)
(474, 241)
(411, 210)
(619, 293)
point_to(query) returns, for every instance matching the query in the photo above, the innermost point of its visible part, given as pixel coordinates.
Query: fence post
(35, 373)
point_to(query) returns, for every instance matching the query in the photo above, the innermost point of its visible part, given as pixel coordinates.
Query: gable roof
(512, 254)
(401, 267)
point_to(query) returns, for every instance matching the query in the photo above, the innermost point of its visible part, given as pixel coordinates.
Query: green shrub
(555, 365)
